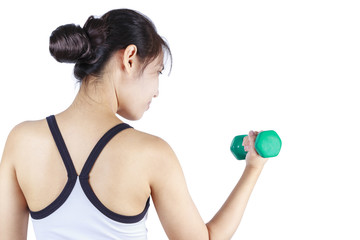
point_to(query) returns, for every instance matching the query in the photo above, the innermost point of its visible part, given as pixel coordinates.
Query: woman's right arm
(177, 212)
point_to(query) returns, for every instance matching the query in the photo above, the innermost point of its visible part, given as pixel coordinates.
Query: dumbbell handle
(267, 144)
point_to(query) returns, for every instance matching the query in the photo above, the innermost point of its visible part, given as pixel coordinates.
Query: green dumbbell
(267, 144)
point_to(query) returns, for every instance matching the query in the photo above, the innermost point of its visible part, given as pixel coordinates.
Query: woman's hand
(253, 159)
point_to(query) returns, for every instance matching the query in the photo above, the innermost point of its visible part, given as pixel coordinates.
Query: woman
(83, 173)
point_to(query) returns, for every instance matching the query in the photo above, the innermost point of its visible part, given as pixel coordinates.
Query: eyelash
(160, 72)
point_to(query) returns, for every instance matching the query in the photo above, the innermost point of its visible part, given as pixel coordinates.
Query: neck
(95, 101)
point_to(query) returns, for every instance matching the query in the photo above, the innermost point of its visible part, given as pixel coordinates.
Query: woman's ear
(130, 58)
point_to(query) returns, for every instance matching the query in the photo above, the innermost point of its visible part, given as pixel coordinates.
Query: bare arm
(177, 211)
(13, 208)
(226, 221)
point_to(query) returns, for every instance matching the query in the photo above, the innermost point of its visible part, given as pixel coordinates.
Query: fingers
(252, 136)
(249, 141)
(246, 143)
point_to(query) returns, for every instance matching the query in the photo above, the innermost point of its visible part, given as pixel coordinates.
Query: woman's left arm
(14, 213)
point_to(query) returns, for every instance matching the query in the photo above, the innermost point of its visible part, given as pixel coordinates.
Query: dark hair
(91, 47)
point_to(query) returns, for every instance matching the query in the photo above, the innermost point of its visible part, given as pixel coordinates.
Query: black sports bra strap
(54, 128)
(99, 147)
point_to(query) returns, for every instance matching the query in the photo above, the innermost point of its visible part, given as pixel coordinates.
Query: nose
(156, 94)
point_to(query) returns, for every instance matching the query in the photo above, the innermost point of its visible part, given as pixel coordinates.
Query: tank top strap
(99, 147)
(55, 131)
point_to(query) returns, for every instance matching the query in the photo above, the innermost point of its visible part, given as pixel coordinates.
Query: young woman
(83, 173)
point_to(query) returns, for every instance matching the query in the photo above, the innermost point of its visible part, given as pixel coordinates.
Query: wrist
(254, 168)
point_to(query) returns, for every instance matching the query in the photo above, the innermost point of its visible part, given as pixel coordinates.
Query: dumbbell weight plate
(268, 144)
(237, 148)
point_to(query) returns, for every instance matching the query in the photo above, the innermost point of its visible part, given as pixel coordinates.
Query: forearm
(227, 219)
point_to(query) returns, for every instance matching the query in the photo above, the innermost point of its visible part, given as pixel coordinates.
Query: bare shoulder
(154, 146)
(28, 130)
(23, 136)
(160, 158)
(30, 125)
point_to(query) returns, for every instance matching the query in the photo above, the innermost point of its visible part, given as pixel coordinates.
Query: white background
(291, 66)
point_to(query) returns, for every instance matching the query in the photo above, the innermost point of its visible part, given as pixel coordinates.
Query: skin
(145, 162)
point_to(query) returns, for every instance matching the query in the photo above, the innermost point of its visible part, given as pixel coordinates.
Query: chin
(131, 116)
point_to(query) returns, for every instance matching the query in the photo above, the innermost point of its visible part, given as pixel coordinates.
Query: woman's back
(119, 176)
(111, 192)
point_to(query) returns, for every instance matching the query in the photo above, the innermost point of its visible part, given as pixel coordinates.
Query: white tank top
(77, 213)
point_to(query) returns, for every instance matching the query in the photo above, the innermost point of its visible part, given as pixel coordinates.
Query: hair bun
(70, 44)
